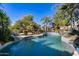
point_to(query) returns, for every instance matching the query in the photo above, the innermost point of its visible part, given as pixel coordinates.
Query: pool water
(77, 49)
(49, 45)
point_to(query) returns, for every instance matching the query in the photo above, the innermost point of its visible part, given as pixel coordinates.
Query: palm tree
(45, 22)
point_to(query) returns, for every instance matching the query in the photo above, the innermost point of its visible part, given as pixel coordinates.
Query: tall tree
(45, 21)
(71, 12)
(67, 14)
(4, 23)
(26, 23)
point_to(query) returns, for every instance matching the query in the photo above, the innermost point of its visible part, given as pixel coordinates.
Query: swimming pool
(50, 45)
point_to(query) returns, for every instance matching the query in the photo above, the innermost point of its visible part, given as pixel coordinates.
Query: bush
(4, 36)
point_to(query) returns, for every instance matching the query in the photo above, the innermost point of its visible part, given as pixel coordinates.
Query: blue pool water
(49, 45)
(77, 49)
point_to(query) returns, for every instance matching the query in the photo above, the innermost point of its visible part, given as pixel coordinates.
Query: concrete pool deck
(66, 42)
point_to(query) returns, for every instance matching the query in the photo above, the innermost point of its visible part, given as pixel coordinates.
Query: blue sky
(17, 10)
